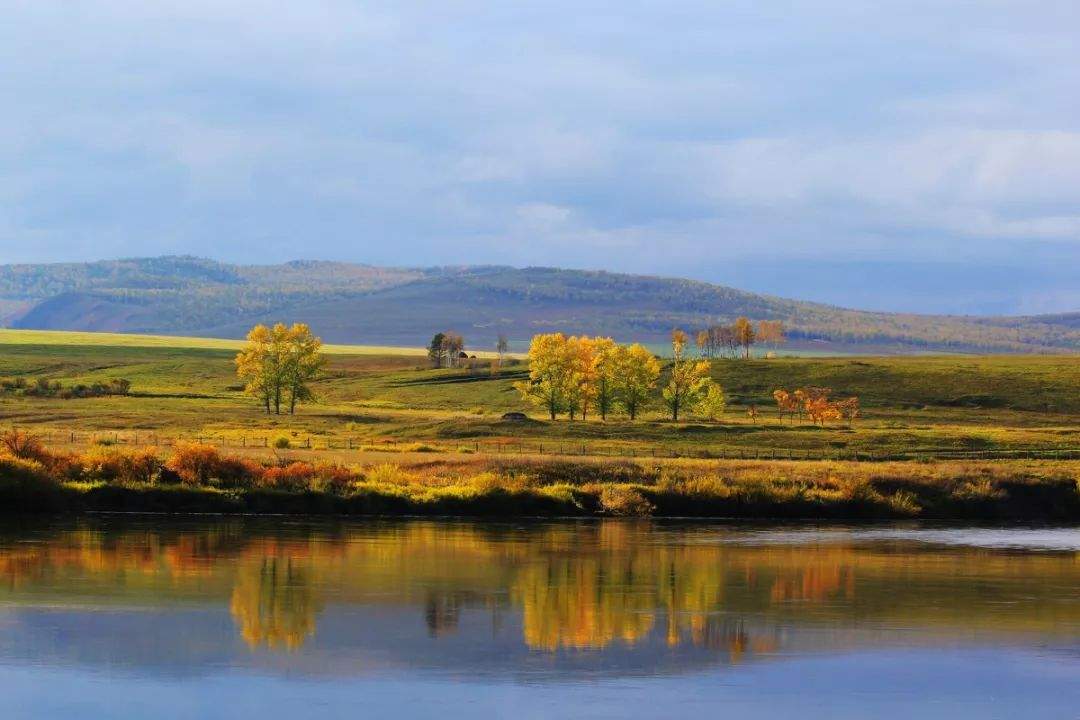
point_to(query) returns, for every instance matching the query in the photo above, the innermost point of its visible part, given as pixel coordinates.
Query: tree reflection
(274, 603)
(575, 587)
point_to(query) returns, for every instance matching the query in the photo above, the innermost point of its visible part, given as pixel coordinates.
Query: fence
(546, 448)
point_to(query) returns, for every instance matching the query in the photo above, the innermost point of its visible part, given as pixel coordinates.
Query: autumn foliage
(814, 403)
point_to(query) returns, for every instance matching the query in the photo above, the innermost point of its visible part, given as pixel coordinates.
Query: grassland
(380, 406)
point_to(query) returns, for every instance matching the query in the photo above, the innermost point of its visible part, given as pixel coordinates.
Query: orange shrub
(125, 466)
(298, 476)
(23, 445)
(197, 464)
(294, 476)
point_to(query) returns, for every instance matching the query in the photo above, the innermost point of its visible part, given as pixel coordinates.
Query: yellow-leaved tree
(712, 402)
(689, 379)
(278, 361)
(303, 362)
(636, 372)
(549, 376)
(606, 375)
(579, 357)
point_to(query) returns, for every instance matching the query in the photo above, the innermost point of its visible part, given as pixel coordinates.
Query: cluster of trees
(576, 375)
(814, 403)
(43, 387)
(731, 341)
(279, 364)
(447, 349)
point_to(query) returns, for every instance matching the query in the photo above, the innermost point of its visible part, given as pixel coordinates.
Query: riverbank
(194, 478)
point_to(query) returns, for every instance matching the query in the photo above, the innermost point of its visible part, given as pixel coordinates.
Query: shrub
(23, 445)
(198, 464)
(332, 478)
(624, 500)
(123, 466)
(294, 476)
(20, 473)
(386, 474)
(282, 442)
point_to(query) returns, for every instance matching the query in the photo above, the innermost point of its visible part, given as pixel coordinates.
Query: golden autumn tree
(636, 372)
(606, 377)
(745, 335)
(259, 364)
(579, 358)
(689, 378)
(278, 361)
(303, 362)
(770, 332)
(548, 373)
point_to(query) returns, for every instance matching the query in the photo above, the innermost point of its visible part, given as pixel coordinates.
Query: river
(146, 617)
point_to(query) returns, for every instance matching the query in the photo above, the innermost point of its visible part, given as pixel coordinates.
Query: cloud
(639, 137)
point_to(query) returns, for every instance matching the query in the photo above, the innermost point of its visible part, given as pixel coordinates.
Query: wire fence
(562, 448)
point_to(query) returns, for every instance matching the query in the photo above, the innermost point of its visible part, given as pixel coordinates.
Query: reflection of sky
(952, 684)
(359, 641)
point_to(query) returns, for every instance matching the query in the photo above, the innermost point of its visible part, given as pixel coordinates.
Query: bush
(281, 442)
(197, 464)
(20, 470)
(193, 463)
(624, 500)
(294, 476)
(123, 466)
(21, 444)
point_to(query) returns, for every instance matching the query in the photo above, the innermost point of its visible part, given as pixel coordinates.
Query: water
(147, 618)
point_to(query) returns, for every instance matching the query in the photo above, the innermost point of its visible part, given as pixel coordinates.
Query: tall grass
(485, 486)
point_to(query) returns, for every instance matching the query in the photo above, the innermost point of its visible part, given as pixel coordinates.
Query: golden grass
(451, 484)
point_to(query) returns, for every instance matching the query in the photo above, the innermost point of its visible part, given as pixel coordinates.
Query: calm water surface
(146, 618)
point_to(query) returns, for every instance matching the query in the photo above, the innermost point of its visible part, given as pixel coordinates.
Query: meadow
(1008, 418)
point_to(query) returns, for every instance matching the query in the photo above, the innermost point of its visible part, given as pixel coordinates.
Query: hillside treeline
(356, 303)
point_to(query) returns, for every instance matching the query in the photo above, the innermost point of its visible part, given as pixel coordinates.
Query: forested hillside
(363, 304)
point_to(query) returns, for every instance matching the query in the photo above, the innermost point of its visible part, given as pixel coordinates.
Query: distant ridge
(354, 303)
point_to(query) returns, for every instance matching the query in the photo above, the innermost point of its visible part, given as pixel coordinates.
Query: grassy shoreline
(195, 478)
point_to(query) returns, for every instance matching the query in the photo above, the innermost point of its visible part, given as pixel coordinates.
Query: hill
(349, 303)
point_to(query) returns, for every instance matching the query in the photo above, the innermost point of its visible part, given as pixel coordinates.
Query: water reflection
(584, 592)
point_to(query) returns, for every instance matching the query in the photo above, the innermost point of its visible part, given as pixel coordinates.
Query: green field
(913, 406)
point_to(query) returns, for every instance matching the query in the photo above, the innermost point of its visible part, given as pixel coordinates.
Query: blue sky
(897, 155)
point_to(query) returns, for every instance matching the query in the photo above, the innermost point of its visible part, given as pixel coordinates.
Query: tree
(726, 341)
(744, 335)
(501, 346)
(636, 373)
(771, 333)
(303, 362)
(259, 365)
(606, 377)
(786, 403)
(279, 360)
(712, 402)
(548, 373)
(689, 378)
(436, 349)
(580, 371)
(453, 346)
(752, 413)
(705, 343)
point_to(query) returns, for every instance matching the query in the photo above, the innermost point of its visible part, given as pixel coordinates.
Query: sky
(911, 155)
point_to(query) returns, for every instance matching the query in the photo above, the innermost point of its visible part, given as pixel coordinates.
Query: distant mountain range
(351, 303)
